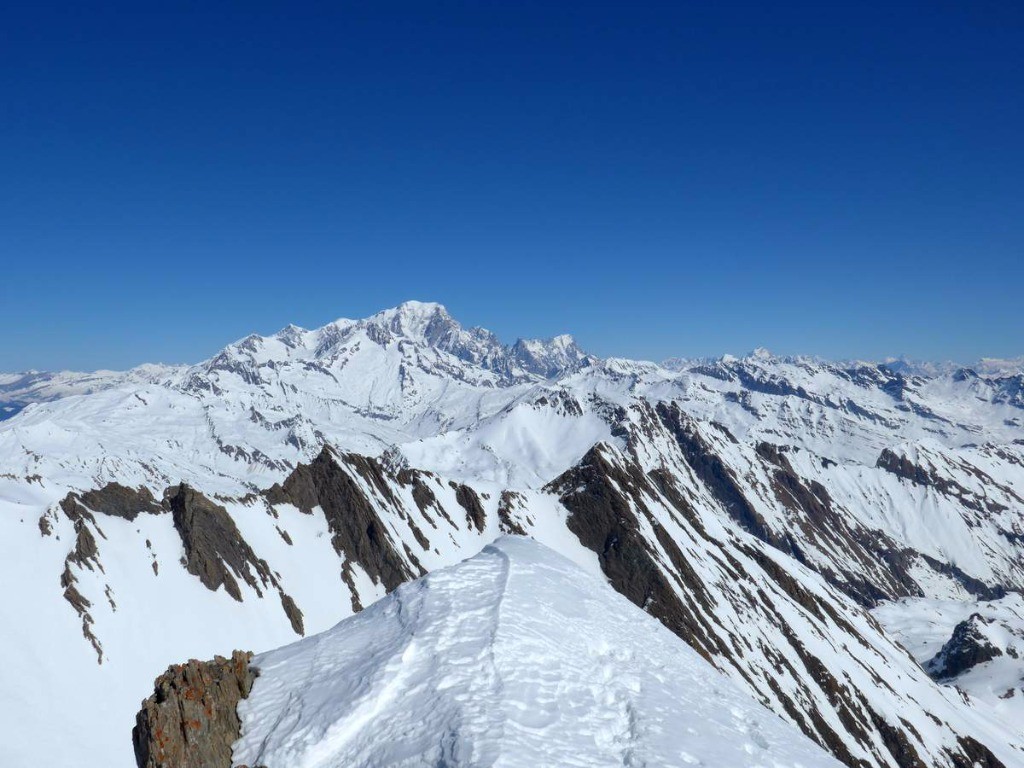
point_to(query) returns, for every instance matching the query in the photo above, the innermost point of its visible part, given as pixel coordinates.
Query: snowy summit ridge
(514, 658)
(425, 325)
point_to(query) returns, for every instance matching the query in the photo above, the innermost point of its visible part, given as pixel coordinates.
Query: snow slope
(515, 657)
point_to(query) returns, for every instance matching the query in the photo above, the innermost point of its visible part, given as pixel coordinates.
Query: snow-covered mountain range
(758, 507)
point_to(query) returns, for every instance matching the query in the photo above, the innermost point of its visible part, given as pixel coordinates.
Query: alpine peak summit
(412, 328)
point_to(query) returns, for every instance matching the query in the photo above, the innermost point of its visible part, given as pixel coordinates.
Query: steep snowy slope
(515, 657)
(324, 468)
(793, 642)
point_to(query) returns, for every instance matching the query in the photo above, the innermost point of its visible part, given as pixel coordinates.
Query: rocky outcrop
(903, 467)
(966, 648)
(596, 493)
(83, 555)
(468, 499)
(508, 503)
(190, 721)
(716, 476)
(423, 496)
(357, 531)
(291, 610)
(214, 548)
(973, 754)
(118, 500)
(819, 522)
(114, 500)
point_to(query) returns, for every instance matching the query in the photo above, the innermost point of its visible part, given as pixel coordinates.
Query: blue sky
(657, 178)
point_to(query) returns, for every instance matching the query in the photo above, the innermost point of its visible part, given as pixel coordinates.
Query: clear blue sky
(689, 178)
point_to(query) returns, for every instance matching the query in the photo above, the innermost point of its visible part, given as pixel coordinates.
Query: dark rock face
(604, 521)
(215, 551)
(974, 754)
(113, 499)
(85, 554)
(469, 501)
(293, 613)
(423, 496)
(421, 493)
(190, 720)
(966, 648)
(214, 548)
(903, 467)
(357, 530)
(818, 521)
(507, 503)
(117, 500)
(715, 475)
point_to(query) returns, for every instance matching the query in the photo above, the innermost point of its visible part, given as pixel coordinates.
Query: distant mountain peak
(424, 322)
(409, 328)
(413, 317)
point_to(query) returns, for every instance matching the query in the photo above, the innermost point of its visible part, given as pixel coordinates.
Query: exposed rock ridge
(818, 521)
(929, 476)
(84, 554)
(190, 721)
(603, 519)
(216, 552)
(861, 563)
(118, 500)
(214, 548)
(357, 531)
(966, 648)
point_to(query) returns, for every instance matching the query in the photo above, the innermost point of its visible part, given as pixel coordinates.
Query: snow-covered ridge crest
(515, 657)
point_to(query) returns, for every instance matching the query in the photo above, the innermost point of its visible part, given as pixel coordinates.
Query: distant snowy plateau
(831, 555)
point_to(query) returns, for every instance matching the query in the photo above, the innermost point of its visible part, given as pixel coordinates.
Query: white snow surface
(515, 658)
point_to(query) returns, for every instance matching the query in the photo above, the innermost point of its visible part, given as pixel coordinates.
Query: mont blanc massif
(400, 542)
